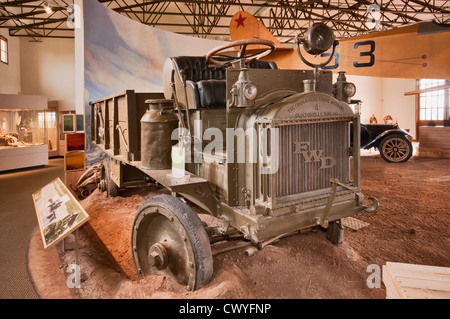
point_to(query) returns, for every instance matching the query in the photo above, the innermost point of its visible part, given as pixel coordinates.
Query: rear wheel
(106, 183)
(395, 149)
(169, 239)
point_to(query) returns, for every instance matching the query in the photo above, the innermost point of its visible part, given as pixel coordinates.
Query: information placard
(58, 212)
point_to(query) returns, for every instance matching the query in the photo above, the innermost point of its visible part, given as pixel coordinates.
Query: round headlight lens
(319, 38)
(250, 91)
(350, 89)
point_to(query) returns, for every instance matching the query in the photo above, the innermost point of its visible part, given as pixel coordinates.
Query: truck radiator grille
(310, 154)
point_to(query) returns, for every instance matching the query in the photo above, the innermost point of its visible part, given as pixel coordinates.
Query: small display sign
(58, 212)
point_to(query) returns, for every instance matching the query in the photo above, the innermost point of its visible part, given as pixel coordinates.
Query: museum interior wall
(39, 68)
(399, 106)
(47, 68)
(10, 71)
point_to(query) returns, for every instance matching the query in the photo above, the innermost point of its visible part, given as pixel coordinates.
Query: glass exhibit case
(22, 128)
(23, 138)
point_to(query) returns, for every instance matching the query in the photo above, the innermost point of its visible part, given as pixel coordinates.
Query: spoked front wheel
(169, 239)
(396, 149)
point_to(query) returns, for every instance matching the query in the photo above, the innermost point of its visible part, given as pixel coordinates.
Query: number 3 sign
(369, 49)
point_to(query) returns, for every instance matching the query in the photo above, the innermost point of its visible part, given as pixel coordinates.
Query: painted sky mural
(121, 54)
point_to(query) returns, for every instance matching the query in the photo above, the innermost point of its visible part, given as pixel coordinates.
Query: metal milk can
(157, 125)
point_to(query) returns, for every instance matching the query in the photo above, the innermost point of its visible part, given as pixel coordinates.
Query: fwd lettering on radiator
(312, 156)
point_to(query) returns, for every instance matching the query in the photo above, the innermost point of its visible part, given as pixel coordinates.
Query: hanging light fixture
(47, 8)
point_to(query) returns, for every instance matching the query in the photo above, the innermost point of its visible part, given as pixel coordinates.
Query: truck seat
(205, 84)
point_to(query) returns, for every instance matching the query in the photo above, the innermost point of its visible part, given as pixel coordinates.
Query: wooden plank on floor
(419, 268)
(393, 289)
(406, 281)
(416, 293)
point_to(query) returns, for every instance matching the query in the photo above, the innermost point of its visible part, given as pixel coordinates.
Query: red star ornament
(240, 21)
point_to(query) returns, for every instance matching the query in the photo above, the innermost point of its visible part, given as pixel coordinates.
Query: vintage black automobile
(393, 142)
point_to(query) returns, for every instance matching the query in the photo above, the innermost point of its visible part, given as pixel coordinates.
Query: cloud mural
(122, 54)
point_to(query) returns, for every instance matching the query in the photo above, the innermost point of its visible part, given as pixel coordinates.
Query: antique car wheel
(395, 149)
(169, 239)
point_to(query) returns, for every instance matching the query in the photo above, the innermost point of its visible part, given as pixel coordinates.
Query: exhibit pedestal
(22, 157)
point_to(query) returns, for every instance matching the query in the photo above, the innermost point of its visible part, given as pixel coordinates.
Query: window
(46, 119)
(434, 104)
(3, 50)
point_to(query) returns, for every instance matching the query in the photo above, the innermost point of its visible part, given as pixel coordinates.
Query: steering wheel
(220, 58)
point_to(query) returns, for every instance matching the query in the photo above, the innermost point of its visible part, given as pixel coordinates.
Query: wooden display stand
(74, 160)
(434, 141)
(410, 281)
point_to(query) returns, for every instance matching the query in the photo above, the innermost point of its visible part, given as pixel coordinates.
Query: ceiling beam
(347, 18)
(225, 16)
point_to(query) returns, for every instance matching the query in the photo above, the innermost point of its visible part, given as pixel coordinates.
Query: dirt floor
(410, 226)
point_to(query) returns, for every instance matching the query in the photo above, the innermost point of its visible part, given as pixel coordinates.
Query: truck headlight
(318, 39)
(250, 91)
(349, 89)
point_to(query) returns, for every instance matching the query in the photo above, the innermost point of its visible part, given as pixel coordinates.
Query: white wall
(402, 108)
(48, 68)
(383, 96)
(369, 90)
(10, 73)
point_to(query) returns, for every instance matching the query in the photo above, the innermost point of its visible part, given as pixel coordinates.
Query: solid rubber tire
(194, 229)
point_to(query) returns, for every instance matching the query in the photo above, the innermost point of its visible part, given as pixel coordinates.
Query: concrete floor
(17, 222)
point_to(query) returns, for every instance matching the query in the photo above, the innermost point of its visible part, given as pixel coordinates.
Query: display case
(23, 138)
(22, 128)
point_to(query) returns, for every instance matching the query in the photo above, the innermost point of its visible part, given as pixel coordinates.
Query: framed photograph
(58, 212)
(75, 142)
(68, 123)
(74, 161)
(80, 122)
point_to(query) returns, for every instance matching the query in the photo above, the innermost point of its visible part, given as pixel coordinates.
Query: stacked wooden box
(434, 141)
